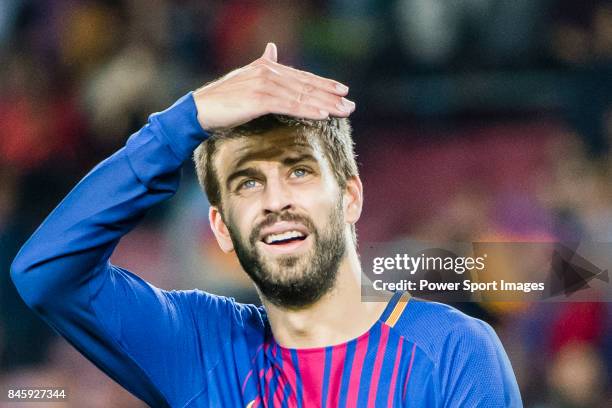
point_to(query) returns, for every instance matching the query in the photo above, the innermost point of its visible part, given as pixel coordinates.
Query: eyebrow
(290, 161)
(269, 152)
(251, 172)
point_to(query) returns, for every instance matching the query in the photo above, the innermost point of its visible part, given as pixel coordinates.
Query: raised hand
(265, 86)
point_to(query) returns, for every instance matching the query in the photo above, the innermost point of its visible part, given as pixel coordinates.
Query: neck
(337, 317)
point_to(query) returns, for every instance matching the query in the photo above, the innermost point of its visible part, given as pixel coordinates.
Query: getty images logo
(434, 259)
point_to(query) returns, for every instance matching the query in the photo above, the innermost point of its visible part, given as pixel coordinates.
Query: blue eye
(300, 172)
(249, 184)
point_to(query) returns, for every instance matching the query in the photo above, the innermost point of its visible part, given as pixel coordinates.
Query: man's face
(283, 210)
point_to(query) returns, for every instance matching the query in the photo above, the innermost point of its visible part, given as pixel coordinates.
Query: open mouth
(283, 238)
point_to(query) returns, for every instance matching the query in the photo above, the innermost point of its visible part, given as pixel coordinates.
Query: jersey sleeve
(474, 370)
(145, 338)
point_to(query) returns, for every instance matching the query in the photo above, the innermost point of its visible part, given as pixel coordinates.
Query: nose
(277, 196)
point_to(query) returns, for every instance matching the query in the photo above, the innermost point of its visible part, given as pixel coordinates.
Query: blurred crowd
(476, 120)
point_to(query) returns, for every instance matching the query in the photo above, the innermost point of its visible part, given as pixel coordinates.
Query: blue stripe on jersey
(286, 393)
(298, 377)
(326, 372)
(274, 353)
(368, 363)
(346, 371)
(384, 383)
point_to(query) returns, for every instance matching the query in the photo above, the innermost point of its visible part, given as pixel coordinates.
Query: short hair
(335, 135)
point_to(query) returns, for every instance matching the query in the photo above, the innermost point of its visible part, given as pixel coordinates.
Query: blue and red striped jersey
(195, 349)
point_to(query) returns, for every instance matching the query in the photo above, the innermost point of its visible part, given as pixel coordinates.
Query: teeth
(282, 236)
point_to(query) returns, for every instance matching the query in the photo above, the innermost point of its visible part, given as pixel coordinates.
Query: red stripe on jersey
(312, 366)
(355, 378)
(409, 370)
(335, 377)
(380, 355)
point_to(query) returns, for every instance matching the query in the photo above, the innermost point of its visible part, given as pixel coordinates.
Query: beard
(294, 281)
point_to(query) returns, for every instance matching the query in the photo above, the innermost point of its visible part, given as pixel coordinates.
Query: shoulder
(471, 367)
(438, 329)
(208, 306)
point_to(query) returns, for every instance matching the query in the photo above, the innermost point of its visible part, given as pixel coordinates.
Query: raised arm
(63, 273)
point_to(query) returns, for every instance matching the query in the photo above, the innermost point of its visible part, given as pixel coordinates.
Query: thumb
(270, 52)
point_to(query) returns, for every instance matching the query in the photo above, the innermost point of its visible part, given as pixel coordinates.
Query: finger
(263, 78)
(271, 52)
(325, 84)
(306, 94)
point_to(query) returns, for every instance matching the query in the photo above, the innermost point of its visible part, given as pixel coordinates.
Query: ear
(353, 200)
(220, 230)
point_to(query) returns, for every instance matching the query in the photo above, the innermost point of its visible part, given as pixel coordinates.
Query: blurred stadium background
(476, 120)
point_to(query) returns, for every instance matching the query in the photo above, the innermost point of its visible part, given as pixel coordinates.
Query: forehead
(274, 145)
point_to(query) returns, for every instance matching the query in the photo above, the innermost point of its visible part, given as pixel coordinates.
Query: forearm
(78, 237)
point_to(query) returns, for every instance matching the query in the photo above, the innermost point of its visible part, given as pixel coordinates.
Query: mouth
(284, 238)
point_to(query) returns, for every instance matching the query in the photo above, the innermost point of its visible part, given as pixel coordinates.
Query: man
(285, 196)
